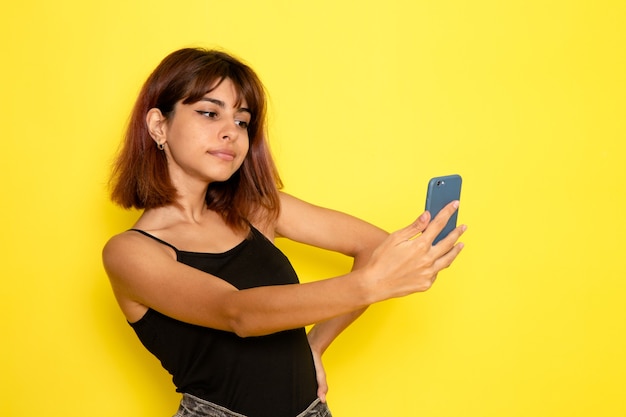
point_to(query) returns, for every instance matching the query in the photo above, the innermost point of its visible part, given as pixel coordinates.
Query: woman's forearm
(331, 302)
(323, 334)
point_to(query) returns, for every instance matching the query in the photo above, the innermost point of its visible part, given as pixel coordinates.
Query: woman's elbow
(245, 323)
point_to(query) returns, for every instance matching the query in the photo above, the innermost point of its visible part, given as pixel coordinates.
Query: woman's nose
(229, 132)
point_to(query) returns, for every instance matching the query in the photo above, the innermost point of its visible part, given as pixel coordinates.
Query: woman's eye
(209, 114)
(242, 124)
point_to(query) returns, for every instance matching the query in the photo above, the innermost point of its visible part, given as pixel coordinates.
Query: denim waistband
(191, 406)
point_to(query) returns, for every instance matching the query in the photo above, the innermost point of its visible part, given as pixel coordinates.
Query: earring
(161, 146)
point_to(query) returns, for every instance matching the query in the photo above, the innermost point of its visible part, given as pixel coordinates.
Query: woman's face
(207, 141)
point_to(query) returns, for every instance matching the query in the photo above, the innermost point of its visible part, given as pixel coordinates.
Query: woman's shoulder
(126, 257)
(269, 225)
(129, 244)
(122, 241)
(262, 220)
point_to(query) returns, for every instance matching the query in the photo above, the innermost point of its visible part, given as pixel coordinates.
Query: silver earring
(161, 146)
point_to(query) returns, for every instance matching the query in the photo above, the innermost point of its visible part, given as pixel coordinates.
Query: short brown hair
(140, 177)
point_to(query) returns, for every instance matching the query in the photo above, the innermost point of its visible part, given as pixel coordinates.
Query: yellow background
(524, 98)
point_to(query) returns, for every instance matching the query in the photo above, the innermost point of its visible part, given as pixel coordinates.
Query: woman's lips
(223, 154)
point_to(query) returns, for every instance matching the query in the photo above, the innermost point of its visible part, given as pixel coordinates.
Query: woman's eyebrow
(222, 105)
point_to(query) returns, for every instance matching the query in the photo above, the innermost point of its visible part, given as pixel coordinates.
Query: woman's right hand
(408, 262)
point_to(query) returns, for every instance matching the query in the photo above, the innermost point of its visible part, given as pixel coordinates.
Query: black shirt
(266, 376)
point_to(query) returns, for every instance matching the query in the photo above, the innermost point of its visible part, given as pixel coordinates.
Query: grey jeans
(191, 406)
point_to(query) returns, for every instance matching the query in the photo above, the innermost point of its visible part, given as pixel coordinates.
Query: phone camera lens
(440, 183)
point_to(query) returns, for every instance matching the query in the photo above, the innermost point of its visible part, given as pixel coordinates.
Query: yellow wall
(524, 98)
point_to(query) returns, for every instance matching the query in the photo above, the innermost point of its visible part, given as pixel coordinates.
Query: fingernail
(422, 217)
(455, 204)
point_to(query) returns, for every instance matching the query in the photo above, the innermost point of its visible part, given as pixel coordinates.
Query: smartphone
(441, 191)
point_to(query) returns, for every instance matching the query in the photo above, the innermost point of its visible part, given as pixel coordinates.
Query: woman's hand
(408, 262)
(322, 385)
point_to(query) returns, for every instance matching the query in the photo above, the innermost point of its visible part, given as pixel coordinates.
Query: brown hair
(140, 177)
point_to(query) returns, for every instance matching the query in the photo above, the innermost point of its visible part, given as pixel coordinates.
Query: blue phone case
(442, 191)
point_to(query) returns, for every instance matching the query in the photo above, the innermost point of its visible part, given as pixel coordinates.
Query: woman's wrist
(315, 342)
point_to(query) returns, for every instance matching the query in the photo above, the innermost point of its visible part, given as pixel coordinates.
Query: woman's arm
(329, 229)
(321, 335)
(343, 233)
(145, 272)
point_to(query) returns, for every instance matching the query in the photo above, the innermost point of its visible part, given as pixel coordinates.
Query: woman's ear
(156, 125)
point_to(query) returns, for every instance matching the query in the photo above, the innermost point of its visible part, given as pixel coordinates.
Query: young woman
(198, 276)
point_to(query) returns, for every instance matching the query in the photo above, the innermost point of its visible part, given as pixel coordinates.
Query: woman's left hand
(322, 385)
